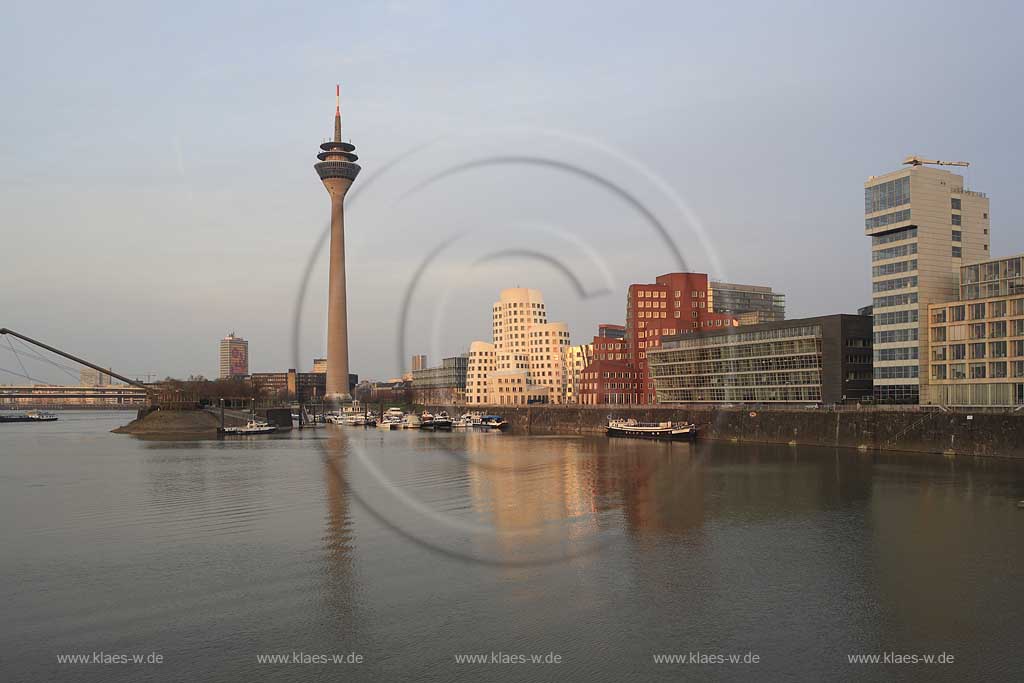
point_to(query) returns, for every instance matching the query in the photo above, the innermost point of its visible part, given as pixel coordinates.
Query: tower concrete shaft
(337, 169)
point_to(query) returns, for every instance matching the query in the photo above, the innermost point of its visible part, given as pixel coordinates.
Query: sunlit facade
(923, 224)
(525, 364)
(976, 344)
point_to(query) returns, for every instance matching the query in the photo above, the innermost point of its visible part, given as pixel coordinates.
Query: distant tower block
(337, 169)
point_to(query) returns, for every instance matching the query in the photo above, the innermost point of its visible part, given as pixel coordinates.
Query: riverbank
(183, 423)
(877, 428)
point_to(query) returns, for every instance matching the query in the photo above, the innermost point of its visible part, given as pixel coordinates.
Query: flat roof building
(923, 224)
(750, 304)
(443, 383)
(234, 357)
(809, 360)
(976, 344)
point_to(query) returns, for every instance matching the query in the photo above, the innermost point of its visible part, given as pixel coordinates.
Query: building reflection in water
(578, 491)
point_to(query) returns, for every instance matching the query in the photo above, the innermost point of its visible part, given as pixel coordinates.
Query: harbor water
(344, 553)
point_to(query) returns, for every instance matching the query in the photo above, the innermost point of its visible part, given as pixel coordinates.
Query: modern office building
(419, 362)
(611, 331)
(749, 304)
(525, 362)
(675, 303)
(924, 223)
(88, 377)
(304, 387)
(976, 344)
(809, 360)
(337, 169)
(234, 357)
(445, 383)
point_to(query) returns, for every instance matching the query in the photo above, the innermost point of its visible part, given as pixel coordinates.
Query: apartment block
(976, 344)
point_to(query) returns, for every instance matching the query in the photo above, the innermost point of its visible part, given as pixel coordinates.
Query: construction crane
(914, 160)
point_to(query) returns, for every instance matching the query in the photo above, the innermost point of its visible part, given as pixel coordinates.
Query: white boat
(493, 422)
(334, 419)
(251, 427)
(465, 421)
(671, 431)
(392, 419)
(443, 422)
(411, 421)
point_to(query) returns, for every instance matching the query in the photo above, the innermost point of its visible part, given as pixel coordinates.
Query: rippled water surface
(411, 549)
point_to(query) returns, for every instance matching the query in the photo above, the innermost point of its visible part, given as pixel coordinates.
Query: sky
(157, 188)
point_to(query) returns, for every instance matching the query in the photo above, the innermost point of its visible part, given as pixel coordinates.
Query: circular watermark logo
(550, 191)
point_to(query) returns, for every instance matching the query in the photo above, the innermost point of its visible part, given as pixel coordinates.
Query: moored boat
(670, 431)
(427, 421)
(252, 427)
(443, 422)
(411, 421)
(30, 416)
(493, 422)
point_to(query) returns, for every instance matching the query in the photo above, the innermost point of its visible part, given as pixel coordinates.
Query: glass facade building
(811, 360)
(749, 303)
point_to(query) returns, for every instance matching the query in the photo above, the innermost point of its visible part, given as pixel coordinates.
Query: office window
(955, 203)
(955, 218)
(957, 236)
(957, 252)
(887, 195)
(977, 371)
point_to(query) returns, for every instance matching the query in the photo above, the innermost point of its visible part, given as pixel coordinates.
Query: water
(409, 549)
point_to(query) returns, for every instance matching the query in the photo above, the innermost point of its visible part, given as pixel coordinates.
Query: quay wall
(981, 433)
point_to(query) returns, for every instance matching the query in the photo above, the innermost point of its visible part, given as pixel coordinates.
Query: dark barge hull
(668, 435)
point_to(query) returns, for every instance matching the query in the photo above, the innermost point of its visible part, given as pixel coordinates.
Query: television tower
(337, 169)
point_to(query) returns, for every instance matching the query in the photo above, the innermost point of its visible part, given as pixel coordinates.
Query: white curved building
(526, 361)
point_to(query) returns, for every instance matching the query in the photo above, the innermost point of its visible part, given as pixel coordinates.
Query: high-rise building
(750, 304)
(419, 362)
(525, 362)
(337, 169)
(676, 303)
(924, 224)
(977, 343)
(234, 357)
(88, 377)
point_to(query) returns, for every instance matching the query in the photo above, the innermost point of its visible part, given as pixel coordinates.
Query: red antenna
(337, 99)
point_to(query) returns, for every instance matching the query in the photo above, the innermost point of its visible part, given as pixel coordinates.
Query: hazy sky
(158, 191)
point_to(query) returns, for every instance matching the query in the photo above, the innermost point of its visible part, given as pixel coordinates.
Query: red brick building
(609, 378)
(676, 303)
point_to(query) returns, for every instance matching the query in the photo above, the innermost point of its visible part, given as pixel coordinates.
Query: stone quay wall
(887, 428)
